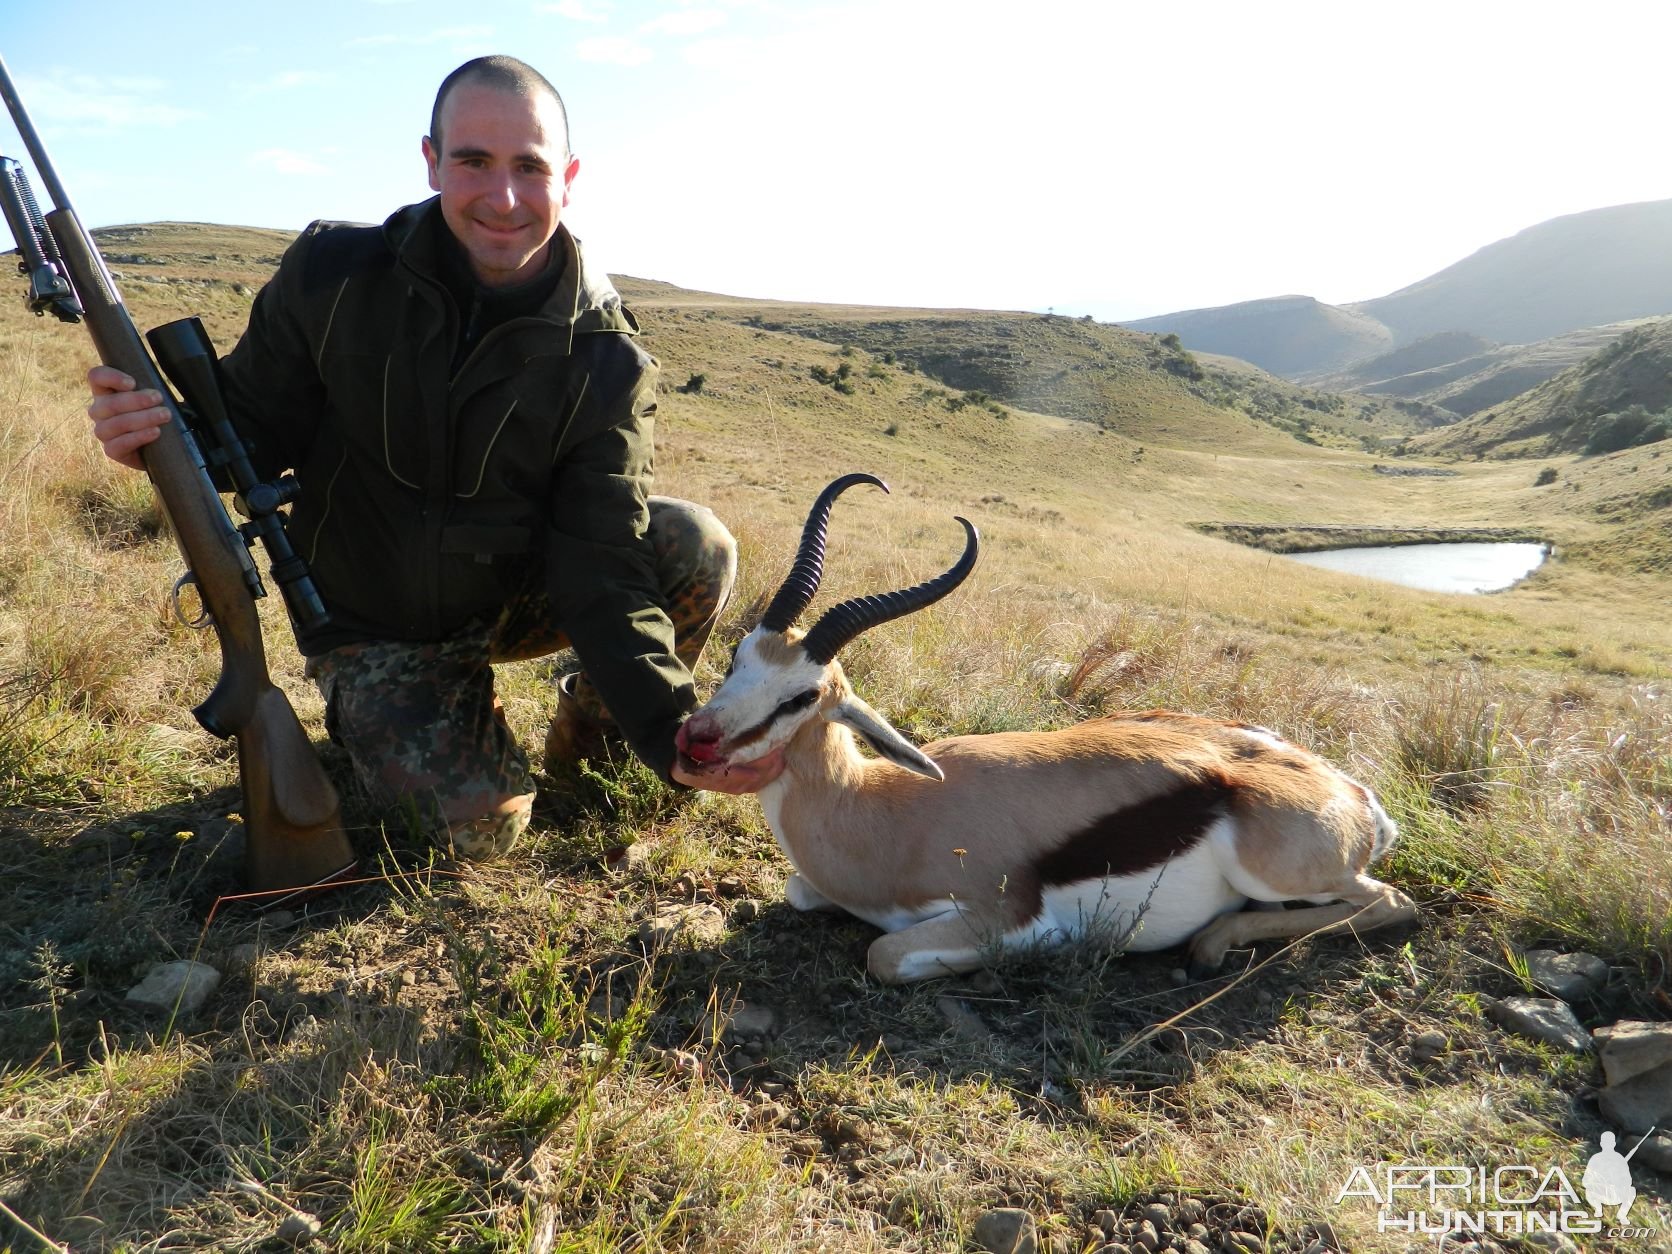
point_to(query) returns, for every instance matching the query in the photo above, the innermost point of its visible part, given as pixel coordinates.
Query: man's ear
(876, 732)
(571, 168)
(432, 159)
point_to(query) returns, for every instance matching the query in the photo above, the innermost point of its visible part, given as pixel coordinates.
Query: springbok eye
(799, 702)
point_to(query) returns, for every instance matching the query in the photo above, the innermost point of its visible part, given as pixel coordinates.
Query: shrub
(693, 385)
(1547, 475)
(1627, 429)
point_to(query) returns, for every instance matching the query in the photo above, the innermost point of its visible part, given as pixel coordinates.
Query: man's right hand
(124, 420)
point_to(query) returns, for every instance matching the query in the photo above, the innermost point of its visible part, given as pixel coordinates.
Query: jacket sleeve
(273, 389)
(601, 570)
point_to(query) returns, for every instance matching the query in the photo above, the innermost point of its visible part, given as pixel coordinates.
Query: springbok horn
(841, 623)
(803, 582)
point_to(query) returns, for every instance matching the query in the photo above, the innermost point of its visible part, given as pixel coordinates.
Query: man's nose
(501, 194)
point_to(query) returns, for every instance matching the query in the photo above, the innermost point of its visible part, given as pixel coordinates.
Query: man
(471, 425)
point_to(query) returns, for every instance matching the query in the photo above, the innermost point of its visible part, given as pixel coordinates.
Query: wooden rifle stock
(293, 825)
(294, 837)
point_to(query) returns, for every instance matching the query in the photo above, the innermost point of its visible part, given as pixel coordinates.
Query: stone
(1567, 976)
(299, 1228)
(243, 957)
(1190, 1211)
(1145, 1237)
(1241, 1243)
(1541, 1019)
(1007, 1231)
(746, 911)
(751, 1022)
(1427, 1046)
(1655, 1153)
(730, 886)
(1631, 1047)
(1106, 1221)
(1193, 1246)
(1158, 1215)
(700, 924)
(1640, 1103)
(184, 984)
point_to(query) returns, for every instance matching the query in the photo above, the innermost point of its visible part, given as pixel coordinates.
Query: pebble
(186, 984)
(1158, 1215)
(1567, 976)
(279, 918)
(299, 1228)
(746, 911)
(1542, 1019)
(1427, 1046)
(698, 923)
(730, 886)
(1007, 1231)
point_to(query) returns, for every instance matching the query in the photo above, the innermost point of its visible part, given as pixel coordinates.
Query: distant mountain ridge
(1573, 272)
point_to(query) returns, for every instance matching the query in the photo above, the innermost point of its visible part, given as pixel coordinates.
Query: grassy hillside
(1463, 375)
(548, 1054)
(1581, 270)
(1287, 335)
(1140, 386)
(1564, 414)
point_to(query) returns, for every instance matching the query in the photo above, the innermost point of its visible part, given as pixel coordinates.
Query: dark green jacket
(427, 501)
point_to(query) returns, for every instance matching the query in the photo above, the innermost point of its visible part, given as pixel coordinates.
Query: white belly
(1154, 909)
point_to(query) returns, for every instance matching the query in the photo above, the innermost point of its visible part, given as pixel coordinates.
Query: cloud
(684, 22)
(447, 34)
(613, 51)
(284, 161)
(83, 102)
(576, 10)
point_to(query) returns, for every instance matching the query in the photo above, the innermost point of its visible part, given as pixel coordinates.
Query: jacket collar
(583, 302)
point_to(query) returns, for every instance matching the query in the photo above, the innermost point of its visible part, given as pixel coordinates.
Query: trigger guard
(203, 619)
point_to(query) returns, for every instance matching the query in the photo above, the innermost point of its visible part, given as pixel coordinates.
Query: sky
(1120, 159)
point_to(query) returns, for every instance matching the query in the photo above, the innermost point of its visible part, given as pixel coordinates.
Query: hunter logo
(1441, 1199)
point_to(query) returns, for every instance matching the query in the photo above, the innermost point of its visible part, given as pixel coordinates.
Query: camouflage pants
(423, 727)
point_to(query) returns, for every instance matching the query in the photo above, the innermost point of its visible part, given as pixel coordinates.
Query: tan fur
(951, 869)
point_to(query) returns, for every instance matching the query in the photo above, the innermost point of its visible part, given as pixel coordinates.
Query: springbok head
(782, 678)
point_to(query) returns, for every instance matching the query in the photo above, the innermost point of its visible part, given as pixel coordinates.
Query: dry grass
(491, 1059)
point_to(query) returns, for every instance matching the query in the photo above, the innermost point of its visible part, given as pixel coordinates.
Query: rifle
(293, 825)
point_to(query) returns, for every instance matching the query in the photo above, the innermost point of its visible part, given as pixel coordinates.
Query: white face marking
(769, 694)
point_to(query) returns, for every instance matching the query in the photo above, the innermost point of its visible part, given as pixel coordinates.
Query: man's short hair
(502, 74)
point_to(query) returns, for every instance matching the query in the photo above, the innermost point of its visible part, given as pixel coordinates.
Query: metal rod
(32, 141)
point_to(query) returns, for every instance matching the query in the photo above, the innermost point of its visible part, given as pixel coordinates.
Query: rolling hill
(1563, 414)
(1572, 273)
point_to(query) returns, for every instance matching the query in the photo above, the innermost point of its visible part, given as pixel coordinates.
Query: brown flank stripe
(1138, 837)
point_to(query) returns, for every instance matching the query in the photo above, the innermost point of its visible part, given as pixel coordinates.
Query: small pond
(1488, 567)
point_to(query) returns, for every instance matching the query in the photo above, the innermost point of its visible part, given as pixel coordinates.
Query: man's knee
(695, 552)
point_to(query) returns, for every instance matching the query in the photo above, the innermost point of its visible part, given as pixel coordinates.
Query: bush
(1547, 475)
(693, 385)
(1627, 429)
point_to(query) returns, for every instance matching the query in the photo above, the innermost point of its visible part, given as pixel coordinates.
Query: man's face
(504, 175)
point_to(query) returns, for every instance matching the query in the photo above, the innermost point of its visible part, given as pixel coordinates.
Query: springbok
(1156, 827)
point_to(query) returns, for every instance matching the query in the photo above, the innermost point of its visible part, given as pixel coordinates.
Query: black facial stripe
(785, 709)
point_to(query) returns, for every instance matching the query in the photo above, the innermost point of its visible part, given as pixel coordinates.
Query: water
(1436, 567)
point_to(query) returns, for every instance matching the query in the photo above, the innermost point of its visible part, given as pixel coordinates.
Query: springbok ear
(876, 732)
